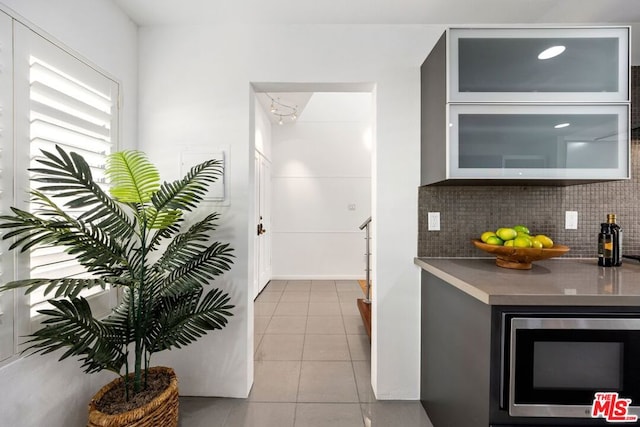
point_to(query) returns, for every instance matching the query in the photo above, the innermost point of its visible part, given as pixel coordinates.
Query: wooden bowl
(520, 258)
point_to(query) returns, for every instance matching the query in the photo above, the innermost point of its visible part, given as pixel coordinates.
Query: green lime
(521, 228)
(494, 240)
(522, 242)
(546, 241)
(486, 235)
(506, 233)
(535, 243)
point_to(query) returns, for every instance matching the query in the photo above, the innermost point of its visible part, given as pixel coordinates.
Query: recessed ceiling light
(551, 52)
(562, 125)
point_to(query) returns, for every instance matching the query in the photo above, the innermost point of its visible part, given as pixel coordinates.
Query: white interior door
(263, 223)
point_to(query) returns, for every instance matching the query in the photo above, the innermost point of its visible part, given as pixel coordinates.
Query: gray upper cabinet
(550, 142)
(526, 106)
(539, 65)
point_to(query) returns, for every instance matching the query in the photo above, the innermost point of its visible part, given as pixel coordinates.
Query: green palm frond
(201, 268)
(64, 287)
(134, 179)
(163, 219)
(185, 194)
(92, 247)
(188, 244)
(69, 176)
(96, 251)
(30, 230)
(70, 325)
(162, 234)
(119, 318)
(166, 310)
(184, 319)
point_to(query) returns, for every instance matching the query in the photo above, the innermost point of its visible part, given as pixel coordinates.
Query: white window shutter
(7, 343)
(72, 105)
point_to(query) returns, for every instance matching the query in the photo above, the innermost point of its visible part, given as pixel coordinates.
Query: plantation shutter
(6, 182)
(74, 106)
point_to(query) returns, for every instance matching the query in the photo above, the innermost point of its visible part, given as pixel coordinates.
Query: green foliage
(133, 178)
(163, 302)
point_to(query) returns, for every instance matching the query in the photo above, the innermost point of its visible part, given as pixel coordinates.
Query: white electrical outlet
(433, 221)
(571, 220)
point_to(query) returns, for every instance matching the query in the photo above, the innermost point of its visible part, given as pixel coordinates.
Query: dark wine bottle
(616, 231)
(605, 245)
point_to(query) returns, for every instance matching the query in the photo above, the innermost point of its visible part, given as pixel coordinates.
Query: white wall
(40, 391)
(262, 132)
(195, 88)
(322, 188)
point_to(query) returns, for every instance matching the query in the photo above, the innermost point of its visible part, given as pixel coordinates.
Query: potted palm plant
(134, 239)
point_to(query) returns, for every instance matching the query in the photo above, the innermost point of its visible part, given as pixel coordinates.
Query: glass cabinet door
(539, 64)
(539, 141)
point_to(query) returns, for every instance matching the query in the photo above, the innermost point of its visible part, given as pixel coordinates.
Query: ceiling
(448, 12)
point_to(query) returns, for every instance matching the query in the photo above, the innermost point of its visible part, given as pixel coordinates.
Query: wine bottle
(605, 245)
(616, 231)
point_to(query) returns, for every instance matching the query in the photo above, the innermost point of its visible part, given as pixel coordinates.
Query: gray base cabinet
(455, 360)
(461, 363)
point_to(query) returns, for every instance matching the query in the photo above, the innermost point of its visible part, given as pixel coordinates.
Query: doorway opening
(313, 183)
(313, 150)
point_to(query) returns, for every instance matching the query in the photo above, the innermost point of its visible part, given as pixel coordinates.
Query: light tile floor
(312, 366)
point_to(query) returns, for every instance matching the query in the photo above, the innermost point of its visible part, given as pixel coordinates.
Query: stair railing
(365, 226)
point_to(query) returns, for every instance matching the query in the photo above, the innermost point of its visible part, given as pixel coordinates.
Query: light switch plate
(433, 221)
(571, 220)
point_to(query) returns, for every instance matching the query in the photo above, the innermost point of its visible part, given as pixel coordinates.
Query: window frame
(8, 332)
(23, 34)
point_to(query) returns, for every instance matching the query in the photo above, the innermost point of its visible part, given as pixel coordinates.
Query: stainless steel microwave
(555, 364)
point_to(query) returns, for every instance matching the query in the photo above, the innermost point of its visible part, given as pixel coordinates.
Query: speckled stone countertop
(551, 282)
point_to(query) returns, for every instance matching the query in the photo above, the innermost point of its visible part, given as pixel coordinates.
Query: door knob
(261, 229)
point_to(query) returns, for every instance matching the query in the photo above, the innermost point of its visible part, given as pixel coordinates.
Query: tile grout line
(304, 340)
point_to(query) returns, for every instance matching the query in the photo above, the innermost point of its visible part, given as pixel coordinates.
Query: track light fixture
(281, 110)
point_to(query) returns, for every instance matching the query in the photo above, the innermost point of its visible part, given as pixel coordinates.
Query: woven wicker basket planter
(160, 412)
